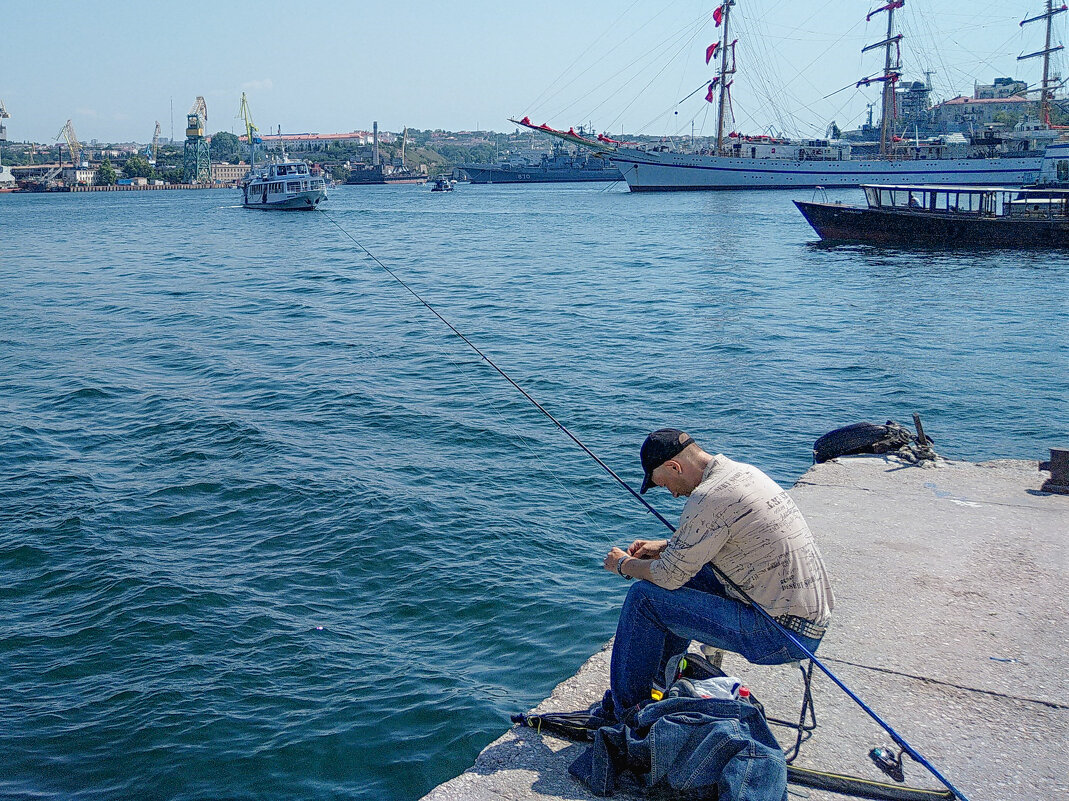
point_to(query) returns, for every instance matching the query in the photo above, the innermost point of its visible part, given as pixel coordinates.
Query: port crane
(73, 145)
(252, 133)
(196, 162)
(154, 148)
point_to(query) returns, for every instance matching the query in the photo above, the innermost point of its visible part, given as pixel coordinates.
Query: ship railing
(979, 201)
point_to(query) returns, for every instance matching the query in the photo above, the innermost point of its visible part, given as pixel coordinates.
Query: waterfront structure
(999, 89)
(969, 114)
(79, 176)
(230, 174)
(317, 141)
(378, 173)
(196, 161)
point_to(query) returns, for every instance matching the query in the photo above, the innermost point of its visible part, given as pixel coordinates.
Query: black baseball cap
(659, 447)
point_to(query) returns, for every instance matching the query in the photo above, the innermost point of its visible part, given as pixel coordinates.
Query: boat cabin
(282, 170)
(981, 201)
(766, 147)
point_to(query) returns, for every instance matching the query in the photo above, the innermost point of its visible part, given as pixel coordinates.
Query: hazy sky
(622, 65)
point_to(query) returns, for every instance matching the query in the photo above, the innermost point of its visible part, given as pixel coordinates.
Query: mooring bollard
(1059, 471)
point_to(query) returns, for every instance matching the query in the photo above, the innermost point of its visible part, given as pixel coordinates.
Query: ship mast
(1046, 91)
(722, 108)
(887, 124)
(892, 67)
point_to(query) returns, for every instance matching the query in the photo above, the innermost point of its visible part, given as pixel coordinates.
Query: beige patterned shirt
(747, 526)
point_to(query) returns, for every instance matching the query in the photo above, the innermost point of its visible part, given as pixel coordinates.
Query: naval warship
(561, 166)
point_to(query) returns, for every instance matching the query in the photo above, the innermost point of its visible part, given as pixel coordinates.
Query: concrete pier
(951, 623)
(146, 187)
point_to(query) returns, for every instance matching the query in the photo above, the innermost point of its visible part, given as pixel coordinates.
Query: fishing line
(500, 372)
(583, 508)
(895, 736)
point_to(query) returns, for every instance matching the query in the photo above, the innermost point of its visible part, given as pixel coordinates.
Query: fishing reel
(885, 760)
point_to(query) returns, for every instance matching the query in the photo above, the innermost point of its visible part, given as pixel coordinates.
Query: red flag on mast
(718, 15)
(710, 51)
(709, 95)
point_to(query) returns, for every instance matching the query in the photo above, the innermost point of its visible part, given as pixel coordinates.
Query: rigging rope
(895, 736)
(534, 107)
(650, 55)
(679, 52)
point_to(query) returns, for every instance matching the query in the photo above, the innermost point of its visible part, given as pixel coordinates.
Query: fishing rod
(895, 736)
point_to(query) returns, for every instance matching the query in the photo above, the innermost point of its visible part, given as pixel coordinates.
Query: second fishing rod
(787, 634)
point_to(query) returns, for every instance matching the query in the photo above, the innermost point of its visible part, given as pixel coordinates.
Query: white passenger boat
(284, 185)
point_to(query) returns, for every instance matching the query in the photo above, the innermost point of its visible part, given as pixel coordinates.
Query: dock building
(230, 174)
(318, 141)
(79, 176)
(1000, 88)
(966, 114)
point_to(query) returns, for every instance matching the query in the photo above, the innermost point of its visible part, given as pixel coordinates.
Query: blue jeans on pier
(656, 624)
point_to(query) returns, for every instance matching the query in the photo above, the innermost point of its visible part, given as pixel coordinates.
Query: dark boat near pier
(947, 216)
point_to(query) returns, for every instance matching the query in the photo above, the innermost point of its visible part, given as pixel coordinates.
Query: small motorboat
(442, 184)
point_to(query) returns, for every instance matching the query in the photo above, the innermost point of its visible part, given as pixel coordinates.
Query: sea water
(268, 529)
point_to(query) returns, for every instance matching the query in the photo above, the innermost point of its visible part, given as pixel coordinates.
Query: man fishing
(739, 520)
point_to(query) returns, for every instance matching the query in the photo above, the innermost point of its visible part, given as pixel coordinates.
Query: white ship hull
(666, 172)
(302, 201)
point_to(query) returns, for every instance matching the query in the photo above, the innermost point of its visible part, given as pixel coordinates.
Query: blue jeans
(656, 624)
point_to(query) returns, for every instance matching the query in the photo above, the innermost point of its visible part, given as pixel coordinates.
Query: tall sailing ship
(762, 162)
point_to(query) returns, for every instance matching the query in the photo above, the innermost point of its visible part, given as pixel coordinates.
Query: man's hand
(647, 549)
(613, 559)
